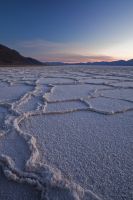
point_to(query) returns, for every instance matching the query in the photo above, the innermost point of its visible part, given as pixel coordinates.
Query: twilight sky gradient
(68, 30)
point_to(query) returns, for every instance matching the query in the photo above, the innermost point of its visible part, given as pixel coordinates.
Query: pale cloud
(123, 50)
(49, 46)
(73, 58)
(61, 52)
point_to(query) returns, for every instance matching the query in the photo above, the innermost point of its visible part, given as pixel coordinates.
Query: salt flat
(66, 133)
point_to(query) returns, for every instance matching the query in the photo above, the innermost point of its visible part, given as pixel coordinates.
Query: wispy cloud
(72, 58)
(57, 51)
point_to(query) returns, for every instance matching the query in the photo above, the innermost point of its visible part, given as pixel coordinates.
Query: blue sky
(68, 30)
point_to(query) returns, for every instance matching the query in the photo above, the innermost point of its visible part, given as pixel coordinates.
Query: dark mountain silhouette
(12, 57)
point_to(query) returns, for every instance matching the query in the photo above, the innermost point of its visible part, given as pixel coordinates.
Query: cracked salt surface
(65, 106)
(70, 92)
(95, 151)
(109, 105)
(13, 92)
(122, 93)
(66, 133)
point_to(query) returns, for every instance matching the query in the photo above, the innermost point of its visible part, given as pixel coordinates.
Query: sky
(68, 30)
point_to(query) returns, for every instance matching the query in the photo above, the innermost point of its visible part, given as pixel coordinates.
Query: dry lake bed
(66, 133)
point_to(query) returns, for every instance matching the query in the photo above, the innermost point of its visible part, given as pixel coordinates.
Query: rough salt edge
(53, 177)
(35, 154)
(19, 176)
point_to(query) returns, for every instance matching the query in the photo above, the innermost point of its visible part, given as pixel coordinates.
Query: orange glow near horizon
(47, 51)
(76, 58)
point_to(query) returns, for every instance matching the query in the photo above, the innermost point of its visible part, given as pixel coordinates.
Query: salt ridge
(38, 174)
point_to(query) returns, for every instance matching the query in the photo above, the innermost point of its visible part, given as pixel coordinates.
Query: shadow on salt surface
(3, 84)
(125, 94)
(78, 73)
(35, 100)
(3, 114)
(10, 190)
(55, 80)
(125, 84)
(31, 105)
(14, 91)
(95, 81)
(93, 150)
(65, 106)
(109, 105)
(58, 194)
(117, 78)
(43, 89)
(15, 147)
(66, 92)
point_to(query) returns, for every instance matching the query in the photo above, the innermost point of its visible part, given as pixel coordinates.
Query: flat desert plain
(66, 133)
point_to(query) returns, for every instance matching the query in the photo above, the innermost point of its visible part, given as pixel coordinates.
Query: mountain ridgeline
(12, 57)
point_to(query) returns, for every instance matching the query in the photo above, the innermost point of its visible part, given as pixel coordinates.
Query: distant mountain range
(12, 57)
(113, 63)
